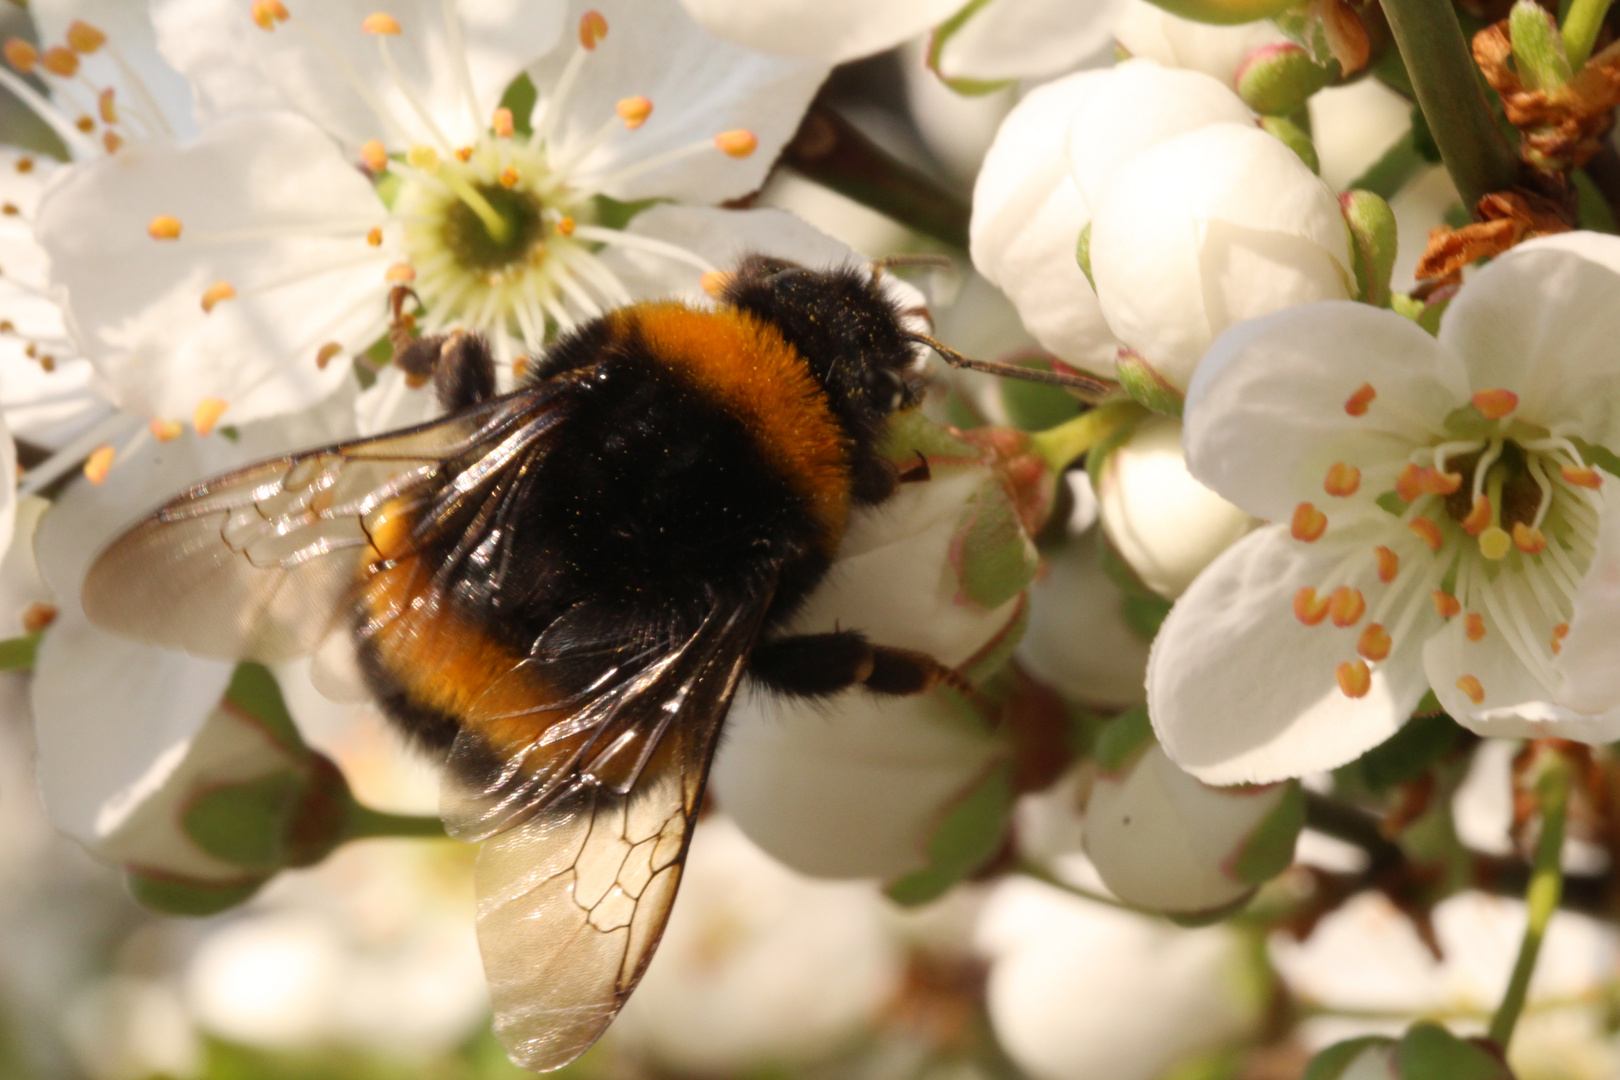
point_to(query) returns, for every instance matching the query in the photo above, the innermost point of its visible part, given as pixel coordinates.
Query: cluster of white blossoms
(1289, 640)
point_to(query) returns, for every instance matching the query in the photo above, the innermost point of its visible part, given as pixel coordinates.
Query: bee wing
(573, 895)
(255, 564)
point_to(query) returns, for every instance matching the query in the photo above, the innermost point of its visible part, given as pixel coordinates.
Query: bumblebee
(558, 590)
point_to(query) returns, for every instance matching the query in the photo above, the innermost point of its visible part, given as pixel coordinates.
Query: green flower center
(475, 245)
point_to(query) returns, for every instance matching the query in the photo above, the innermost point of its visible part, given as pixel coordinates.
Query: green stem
(1541, 898)
(1342, 822)
(17, 654)
(831, 151)
(366, 823)
(1061, 446)
(1581, 28)
(1452, 97)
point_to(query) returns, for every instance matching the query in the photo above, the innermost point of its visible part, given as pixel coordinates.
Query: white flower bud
(1164, 523)
(1078, 641)
(1215, 226)
(1148, 31)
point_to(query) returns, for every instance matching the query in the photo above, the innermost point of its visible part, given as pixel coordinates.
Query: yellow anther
(400, 273)
(634, 111)
(107, 106)
(375, 236)
(374, 156)
(509, 177)
(207, 414)
(1309, 608)
(1355, 679)
(715, 282)
(1409, 482)
(593, 28)
(324, 355)
(379, 22)
(1471, 686)
(37, 617)
(1446, 605)
(21, 55)
(163, 227)
(464, 154)
(269, 12)
(9, 209)
(566, 225)
(1346, 606)
(1356, 404)
(738, 144)
(1309, 523)
(1560, 632)
(1342, 480)
(99, 464)
(85, 124)
(1389, 563)
(59, 60)
(111, 141)
(1495, 404)
(1374, 643)
(165, 430)
(219, 290)
(25, 165)
(502, 124)
(1474, 626)
(83, 38)
(1528, 539)
(1479, 517)
(520, 367)
(424, 157)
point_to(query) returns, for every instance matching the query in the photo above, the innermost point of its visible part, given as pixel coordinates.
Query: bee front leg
(820, 665)
(458, 364)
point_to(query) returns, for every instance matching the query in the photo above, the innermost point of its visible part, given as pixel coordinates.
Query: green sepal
(246, 824)
(1429, 1052)
(1226, 12)
(1391, 503)
(1276, 80)
(1143, 610)
(254, 691)
(1331, 1063)
(1373, 244)
(1122, 739)
(1295, 138)
(18, 653)
(1417, 747)
(1147, 387)
(520, 97)
(1082, 255)
(1599, 455)
(1192, 920)
(967, 836)
(1432, 312)
(1269, 850)
(172, 895)
(993, 557)
(1428, 705)
(936, 48)
(1467, 422)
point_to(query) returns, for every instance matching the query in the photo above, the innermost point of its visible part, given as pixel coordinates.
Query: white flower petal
(1027, 219)
(1266, 413)
(852, 787)
(1015, 39)
(130, 34)
(1143, 105)
(831, 31)
(301, 268)
(1591, 678)
(1211, 227)
(1241, 691)
(1148, 31)
(8, 486)
(700, 86)
(1516, 704)
(1542, 321)
(318, 62)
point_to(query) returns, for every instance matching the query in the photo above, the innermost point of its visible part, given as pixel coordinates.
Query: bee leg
(918, 473)
(465, 373)
(819, 665)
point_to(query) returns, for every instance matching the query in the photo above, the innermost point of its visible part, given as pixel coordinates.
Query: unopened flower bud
(1278, 79)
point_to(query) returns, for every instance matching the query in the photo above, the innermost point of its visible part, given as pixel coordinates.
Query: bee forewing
(256, 564)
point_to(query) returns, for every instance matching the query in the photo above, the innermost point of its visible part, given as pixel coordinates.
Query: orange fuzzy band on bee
(441, 661)
(747, 366)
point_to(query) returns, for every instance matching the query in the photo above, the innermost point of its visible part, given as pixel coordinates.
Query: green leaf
(967, 836)
(1144, 612)
(1270, 848)
(182, 896)
(520, 97)
(1123, 738)
(1331, 1063)
(17, 654)
(1594, 211)
(1538, 48)
(1409, 753)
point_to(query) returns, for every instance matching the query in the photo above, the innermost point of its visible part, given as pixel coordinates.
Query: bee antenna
(1089, 386)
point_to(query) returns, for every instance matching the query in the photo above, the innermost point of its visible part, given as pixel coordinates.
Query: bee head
(842, 323)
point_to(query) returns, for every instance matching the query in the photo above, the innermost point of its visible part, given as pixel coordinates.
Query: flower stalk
(1062, 445)
(1581, 28)
(366, 824)
(1448, 90)
(1541, 898)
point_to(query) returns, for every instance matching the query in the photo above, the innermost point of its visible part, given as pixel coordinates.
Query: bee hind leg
(458, 364)
(820, 665)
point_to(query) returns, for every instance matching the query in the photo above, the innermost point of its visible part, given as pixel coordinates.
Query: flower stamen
(1471, 686)
(1354, 678)
(1356, 404)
